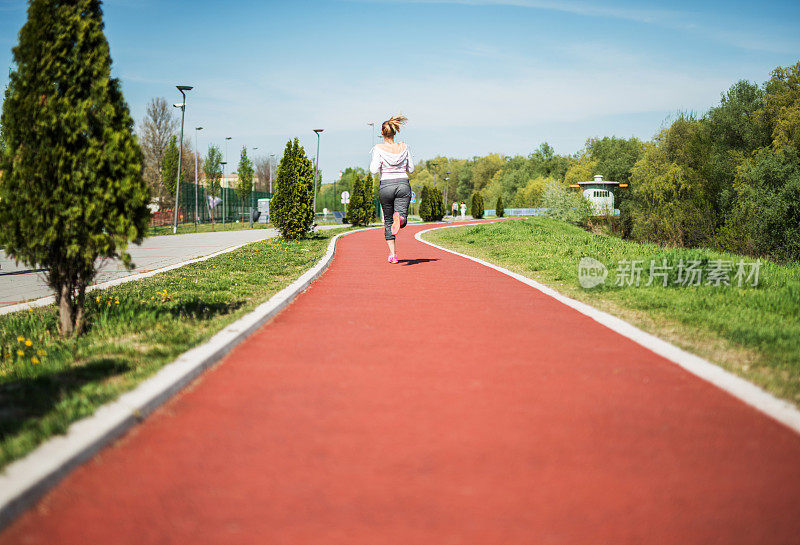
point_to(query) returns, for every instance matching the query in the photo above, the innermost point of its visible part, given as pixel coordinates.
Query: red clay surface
(436, 401)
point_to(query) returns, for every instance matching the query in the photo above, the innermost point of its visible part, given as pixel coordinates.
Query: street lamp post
(316, 170)
(182, 106)
(196, 180)
(222, 187)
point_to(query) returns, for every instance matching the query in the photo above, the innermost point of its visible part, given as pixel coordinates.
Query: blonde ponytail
(392, 125)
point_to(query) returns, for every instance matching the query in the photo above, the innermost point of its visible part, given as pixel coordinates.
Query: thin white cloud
(750, 38)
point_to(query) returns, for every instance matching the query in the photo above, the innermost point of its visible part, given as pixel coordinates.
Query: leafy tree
(735, 124)
(291, 208)
(485, 168)
(477, 206)
(245, 171)
(667, 204)
(499, 211)
(169, 167)
(212, 167)
(72, 186)
(782, 107)
(766, 218)
(155, 130)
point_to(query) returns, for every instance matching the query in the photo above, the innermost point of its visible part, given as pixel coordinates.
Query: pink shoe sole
(396, 223)
(392, 259)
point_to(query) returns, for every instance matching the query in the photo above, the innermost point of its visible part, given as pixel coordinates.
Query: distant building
(600, 193)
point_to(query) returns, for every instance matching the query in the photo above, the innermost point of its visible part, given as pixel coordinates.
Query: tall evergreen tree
(212, 167)
(437, 204)
(425, 211)
(499, 210)
(291, 208)
(245, 186)
(369, 199)
(355, 208)
(72, 187)
(477, 206)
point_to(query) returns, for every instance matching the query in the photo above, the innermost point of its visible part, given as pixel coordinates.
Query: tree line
(728, 179)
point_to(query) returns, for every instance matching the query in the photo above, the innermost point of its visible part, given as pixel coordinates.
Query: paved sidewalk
(448, 403)
(19, 283)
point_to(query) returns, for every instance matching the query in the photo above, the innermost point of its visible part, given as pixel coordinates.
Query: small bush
(477, 206)
(291, 208)
(565, 205)
(499, 211)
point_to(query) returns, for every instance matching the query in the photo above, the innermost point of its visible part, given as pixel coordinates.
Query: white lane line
(782, 411)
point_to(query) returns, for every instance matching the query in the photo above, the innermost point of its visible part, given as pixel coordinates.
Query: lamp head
(179, 104)
(318, 130)
(198, 128)
(228, 137)
(184, 87)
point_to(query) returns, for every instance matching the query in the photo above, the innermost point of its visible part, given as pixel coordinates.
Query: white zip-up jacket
(392, 166)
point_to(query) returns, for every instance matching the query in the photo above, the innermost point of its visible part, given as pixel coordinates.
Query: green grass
(133, 330)
(185, 228)
(752, 331)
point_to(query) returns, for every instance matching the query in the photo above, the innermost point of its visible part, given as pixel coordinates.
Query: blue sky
(473, 76)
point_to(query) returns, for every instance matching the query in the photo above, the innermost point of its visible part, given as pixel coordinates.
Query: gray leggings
(394, 196)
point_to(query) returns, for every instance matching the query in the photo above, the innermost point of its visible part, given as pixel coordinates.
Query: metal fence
(529, 212)
(195, 204)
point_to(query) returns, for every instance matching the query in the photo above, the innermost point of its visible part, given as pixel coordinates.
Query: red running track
(436, 401)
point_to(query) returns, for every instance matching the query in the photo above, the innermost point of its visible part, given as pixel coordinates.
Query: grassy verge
(185, 228)
(752, 331)
(134, 329)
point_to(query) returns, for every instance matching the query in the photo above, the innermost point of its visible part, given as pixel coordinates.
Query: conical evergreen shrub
(72, 190)
(291, 208)
(425, 208)
(499, 211)
(437, 205)
(369, 200)
(477, 206)
(356, 209)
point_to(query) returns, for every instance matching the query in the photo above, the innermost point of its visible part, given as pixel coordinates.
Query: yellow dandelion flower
(20, 353)
(97, 298)
(116, 302)
(34, 360)
(41, 352)
(28, 342)
(30, 310)
(20, 339)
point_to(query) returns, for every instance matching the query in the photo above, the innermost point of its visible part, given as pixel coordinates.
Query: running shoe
(396, 223)
(392, 259)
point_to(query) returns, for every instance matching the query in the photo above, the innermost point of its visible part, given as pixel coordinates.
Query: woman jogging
(393, 161)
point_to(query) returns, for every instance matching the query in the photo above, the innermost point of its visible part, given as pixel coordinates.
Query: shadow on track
(408, 262)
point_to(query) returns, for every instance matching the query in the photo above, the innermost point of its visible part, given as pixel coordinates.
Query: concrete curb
(778, 409)
(23, 482)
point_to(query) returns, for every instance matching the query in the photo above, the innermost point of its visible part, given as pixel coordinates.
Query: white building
(600, 193)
